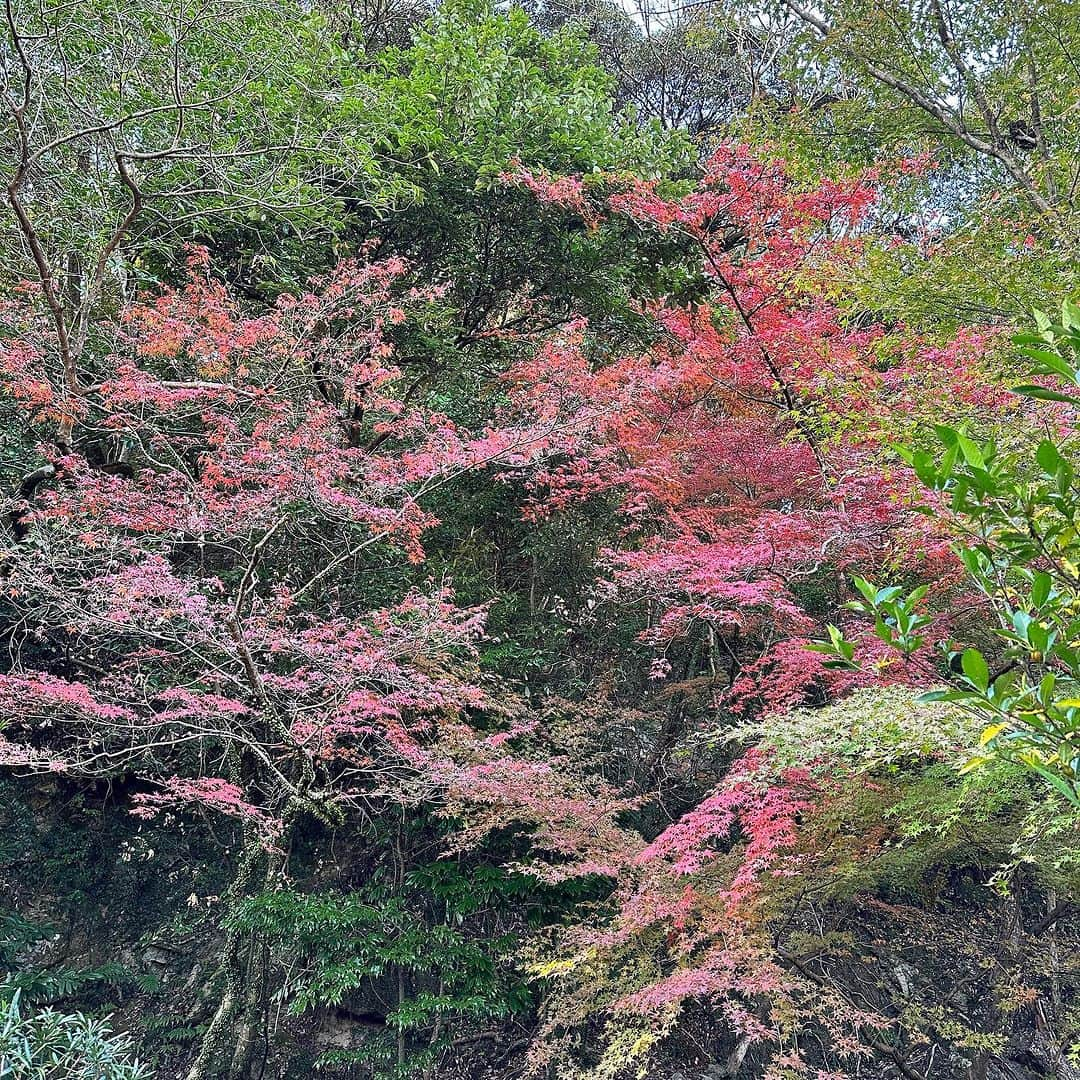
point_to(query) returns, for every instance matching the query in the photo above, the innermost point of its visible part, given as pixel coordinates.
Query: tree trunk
(229, 1042)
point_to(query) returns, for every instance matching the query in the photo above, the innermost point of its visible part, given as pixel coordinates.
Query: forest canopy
(539, 540)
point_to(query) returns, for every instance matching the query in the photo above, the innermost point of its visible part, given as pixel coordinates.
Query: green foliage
(320, 146)
(48, 1045)
(984, 92)
(1055, 349)
(1017, 523)
(889, 758)
(897, 622)
(870, 730)
(213, 117)
(438, 970)
(478, 89)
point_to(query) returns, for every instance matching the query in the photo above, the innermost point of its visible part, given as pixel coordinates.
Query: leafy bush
(1013, 516)
(49, 1045)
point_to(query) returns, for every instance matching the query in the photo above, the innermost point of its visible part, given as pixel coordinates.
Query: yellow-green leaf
(992, 732)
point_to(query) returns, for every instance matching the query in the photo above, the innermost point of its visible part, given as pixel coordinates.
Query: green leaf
(1052, 363)
(888, 594)
(936, 696)
(946, 434)
(1043, 394)
(974, 667)
(972, 560)
(864, 586)
(1058, 783)
(1041, 585)
(1048, 457)
(1021, 621)
(973, 454)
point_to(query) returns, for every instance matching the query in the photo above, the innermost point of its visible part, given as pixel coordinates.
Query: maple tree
(749, 453)
(167, 625)
(733, 489)
(185, 563)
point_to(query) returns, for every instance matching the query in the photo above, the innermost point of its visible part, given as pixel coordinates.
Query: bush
(49, 1045)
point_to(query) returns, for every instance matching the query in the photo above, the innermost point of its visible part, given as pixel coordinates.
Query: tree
(693, 67)
(474, 92)
(746, 457)
(988, 80)
(135, 127)
(989, 231)
(165, 620)
(779, 927)
(735, 492)
(452, 622)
